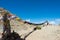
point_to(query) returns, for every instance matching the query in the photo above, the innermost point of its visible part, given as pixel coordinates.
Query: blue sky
(33, 10)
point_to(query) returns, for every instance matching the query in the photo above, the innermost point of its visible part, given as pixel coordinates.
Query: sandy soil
(46, 33)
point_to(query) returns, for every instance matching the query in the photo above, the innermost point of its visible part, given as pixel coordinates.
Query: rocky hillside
(18, 25)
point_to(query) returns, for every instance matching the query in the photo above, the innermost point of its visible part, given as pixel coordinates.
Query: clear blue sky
(35, 10)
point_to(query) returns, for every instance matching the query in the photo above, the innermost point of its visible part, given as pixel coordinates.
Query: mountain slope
(17, 24)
